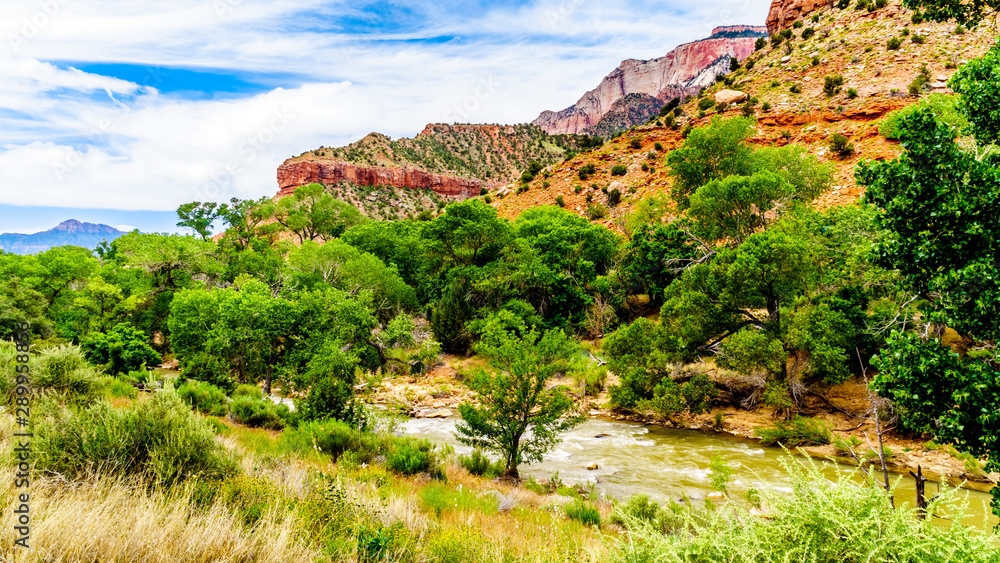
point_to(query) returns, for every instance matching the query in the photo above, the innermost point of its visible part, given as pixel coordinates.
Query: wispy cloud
(327, 73)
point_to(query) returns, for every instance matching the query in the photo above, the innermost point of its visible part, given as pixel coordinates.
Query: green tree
(517, 416)
(198, 217)
(122, 349)
(978, 83)
(710, 153)
(311, 213)
(941, 208)
(654, 257)
(735, 207)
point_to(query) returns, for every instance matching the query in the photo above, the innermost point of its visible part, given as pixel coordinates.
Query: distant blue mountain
(72, 232)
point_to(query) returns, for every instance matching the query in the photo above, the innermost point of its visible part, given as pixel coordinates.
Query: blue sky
(130, 109)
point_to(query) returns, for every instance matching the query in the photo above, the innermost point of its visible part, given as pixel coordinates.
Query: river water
(668, 463)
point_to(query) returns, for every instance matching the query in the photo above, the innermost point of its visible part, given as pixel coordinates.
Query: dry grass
(110, 520)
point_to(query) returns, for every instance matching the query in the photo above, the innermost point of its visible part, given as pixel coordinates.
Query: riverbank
(843, 408)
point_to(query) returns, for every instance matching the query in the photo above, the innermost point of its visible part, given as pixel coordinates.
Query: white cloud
(77, 139)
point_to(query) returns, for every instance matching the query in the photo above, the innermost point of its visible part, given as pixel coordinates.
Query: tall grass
(819, 522)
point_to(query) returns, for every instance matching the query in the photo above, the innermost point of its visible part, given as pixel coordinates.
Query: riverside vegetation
(306, 296)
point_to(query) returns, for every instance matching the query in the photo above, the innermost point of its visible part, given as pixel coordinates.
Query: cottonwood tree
(518, 416)
(941, 207)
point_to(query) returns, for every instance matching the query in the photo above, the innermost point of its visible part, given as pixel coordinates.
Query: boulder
(730, 97)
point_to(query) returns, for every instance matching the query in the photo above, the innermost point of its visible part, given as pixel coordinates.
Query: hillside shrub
(586, 171)
(852, 93)
(841, 146)
(560, 201)
(807, 33)
(619, 170)
(635, 143)
(705, 103)
(760, 43)
(204, 398)
(795, 89)
(832, 85)
(894, 43)
(160, 439)
(800, 431)
(919, 83)
(614, 197)
(596, 211)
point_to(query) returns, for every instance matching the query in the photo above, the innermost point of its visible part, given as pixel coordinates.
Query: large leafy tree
(198, 216)
(711, 153)
(941, 208)
(517, 415)
(311, 213)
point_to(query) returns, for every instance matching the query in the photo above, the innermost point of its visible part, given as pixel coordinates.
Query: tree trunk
(921, 499)
(511, 470)
(267, 379)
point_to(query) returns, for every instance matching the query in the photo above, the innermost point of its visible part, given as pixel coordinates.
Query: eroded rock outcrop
(683, 71)
(784, 13)
(299, 172)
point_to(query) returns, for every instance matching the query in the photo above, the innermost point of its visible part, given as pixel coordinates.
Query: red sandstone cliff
(685, 70)
(783, 13)
(298, 172)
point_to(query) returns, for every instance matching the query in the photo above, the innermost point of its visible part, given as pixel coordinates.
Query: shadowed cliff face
(294, 173)
(783, 13)
(681, 72)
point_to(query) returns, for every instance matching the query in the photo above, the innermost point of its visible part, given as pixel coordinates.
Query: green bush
(586, 171)
(832, 85)
(705, 103)
(258, 412)
(635, 143)
(248, 390)
(817, 521)
(894, 43)
(614, 197)
(207, 368)
(410, 456)
(619, 170)
(122, 349)
(65, 369)
(477, 463)
(658, 146)
(483, 191)
(596, 211)
(760, 43)
(800, 431)
(698, 393)
(943, 106)
(560, 201)
(807, 33)
(640, 511)
(118, 388)
(334, 438)
(580, 510)
(852, 93)
(795, 89)
(204, 398)
(331, 397)
(160, 439)
(841, 146)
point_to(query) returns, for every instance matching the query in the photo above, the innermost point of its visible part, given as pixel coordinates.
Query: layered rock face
(294, 173)
(784, 12)
(684, 71)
